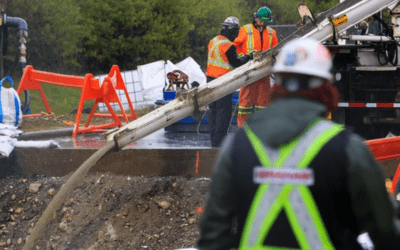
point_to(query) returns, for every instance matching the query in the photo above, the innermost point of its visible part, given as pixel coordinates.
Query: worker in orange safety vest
(222, 58)
(256, 36)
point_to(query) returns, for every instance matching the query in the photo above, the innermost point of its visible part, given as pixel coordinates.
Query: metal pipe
(22, 27)
(348, 17)
(185, 103)
(368, 38)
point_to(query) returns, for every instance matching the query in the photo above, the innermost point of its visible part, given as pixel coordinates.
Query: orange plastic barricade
(91, 90)
(119, 84)
(32, 78)
(387, 149)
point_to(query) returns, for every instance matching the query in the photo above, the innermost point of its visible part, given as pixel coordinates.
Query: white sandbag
(9, 130)
(10, 105)
(35, 144)
(6, 146)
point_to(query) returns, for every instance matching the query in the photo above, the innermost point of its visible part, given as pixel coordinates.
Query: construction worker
(292, 179)
(222, 58)
(257, 36)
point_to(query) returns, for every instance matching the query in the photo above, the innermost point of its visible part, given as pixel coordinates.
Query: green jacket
(349, 190)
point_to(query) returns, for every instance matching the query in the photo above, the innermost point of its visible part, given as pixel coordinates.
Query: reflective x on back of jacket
(217, 64)
(297, 200)
(250, 39)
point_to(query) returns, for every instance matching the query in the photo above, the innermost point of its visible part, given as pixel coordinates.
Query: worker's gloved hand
(251, 54)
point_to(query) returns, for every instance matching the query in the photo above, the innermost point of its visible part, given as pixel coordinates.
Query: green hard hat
(263, 14)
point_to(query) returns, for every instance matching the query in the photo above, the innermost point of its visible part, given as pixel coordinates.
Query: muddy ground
(104, 212)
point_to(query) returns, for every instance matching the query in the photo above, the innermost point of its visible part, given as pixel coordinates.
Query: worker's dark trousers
(220, 115)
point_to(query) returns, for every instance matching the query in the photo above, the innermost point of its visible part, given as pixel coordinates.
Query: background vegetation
(89, 36)
(82, 36)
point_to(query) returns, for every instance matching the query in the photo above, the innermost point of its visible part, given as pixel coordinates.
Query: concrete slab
(132, 162)
(161, 153)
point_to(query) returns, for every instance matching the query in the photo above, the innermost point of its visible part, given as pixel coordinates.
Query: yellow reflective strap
(252, 215)
(250, 38)
(273, 213)
(315, 216)
(245, 110)
(317, 145)
(270, 32)
(295, 223)
(244, 113)
(258, 146)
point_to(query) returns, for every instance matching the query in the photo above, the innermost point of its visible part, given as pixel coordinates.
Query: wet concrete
(158, 140)
(161, 153)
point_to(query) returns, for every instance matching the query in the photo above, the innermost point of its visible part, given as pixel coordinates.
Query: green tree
(123, 32)
(285, 12)
(206, 17)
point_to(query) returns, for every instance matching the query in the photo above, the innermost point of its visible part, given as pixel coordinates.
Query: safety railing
(91, 90)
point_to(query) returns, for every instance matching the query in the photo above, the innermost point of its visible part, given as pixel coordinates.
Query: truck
(367, 73)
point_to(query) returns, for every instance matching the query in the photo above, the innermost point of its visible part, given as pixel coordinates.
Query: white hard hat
(232, 22)
(304, 56)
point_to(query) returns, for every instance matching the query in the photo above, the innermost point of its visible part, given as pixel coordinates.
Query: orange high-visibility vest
(218, 63)
(249, 39)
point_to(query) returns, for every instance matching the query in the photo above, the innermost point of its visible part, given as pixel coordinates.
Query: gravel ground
(104, 212)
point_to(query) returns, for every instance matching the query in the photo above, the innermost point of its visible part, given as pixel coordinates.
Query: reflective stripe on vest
(297, 200)
(250, 37)
(217, 60)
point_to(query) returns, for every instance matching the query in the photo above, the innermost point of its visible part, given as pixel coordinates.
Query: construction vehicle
(367, 72)
(326, 26)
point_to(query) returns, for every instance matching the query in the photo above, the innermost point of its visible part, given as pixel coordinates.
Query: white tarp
(145, 85)
(153, 76)
(152, 80)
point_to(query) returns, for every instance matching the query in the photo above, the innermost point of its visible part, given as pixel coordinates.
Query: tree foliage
(91, 35)
(124, 32)
(206, 17)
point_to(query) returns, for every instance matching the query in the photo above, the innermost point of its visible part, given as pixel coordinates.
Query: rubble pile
(104, 212)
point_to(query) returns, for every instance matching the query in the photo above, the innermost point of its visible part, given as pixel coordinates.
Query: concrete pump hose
(62, 195)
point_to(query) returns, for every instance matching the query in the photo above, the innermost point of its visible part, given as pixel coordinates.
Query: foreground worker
(222, 58)
(257, 36)
(293, 179)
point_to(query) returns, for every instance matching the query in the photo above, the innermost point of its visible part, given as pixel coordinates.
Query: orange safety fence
(387, 149)
(91, 90)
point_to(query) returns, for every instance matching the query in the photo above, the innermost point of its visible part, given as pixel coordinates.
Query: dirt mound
(104, 212)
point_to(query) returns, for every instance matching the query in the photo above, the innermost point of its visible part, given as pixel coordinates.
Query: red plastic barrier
(387, 149)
